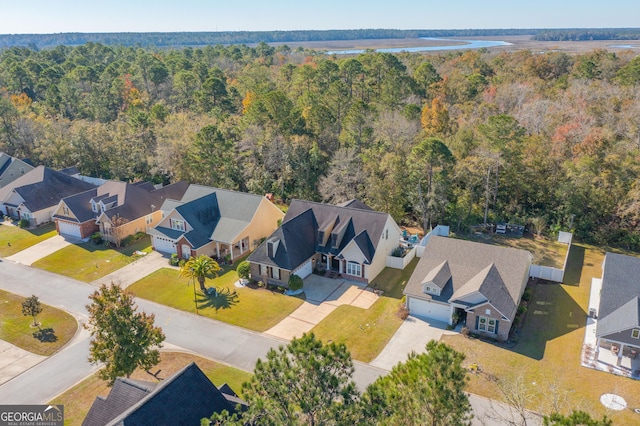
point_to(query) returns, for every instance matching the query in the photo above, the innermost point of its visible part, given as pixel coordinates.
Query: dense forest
(195, 39)
(588, 34)
(459, 138)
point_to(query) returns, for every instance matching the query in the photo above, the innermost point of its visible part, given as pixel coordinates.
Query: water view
(469, 44)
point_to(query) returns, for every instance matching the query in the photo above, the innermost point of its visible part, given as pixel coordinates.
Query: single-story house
(618, 315)
(115, 209)
(35, 195)
(182, 399)
(214, 222)
(478, 283)
(12, 168)
(350, 240)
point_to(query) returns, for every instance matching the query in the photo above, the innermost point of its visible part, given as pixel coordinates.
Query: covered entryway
(429, 310)
(186, 251)
(70, 229)
(164, 245)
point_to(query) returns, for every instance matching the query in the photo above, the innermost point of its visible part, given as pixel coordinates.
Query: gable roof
(43, 187)
(8, 163)
(299, 233)
(497, 273)
(214, 214)
(355, 204)
(619, 308)
(440, 275)
(184, 398)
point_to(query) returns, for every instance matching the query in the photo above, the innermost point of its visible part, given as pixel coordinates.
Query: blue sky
(53, 16)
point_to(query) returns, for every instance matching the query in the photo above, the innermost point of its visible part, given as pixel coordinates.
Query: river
(469, 44)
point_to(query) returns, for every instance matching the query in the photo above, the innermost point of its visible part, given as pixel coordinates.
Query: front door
(186, 251)
(335, 264)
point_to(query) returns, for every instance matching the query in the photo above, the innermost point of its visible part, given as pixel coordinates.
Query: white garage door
(305, 270)
(430, 310)
(164, 245)
(70, 229)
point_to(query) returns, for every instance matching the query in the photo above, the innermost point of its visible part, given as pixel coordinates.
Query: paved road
(222, 342)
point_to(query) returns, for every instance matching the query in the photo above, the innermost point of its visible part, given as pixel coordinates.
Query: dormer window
(321, 238)
(431, 288)
(178, 225)
(94, 207)
(635, 333)
(334, 240)
(65, 210)
(21, 170)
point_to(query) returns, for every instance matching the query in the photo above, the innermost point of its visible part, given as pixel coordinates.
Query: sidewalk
(135, 271)
(43, 249)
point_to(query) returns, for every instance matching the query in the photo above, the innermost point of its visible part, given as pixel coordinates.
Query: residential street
(222, 342)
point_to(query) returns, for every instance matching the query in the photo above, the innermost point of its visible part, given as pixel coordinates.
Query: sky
(56, 16)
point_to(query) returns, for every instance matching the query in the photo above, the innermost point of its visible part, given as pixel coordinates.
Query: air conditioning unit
(593, 313)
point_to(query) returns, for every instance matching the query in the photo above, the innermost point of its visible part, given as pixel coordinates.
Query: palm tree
(200, 268)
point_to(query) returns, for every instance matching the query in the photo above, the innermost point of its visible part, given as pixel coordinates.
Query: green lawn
(88, 262)
(255, 309)
(56, 327)
(548, 351)
(15, 239)
(367, 331)
(79, 398)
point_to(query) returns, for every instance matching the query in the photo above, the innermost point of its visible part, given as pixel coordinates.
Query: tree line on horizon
(458, 138)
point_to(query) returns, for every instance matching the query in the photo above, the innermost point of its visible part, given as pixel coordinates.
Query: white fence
(401, 262)
(549, 273)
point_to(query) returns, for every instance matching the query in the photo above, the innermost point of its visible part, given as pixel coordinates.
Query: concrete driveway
(323, 296)
(413, 335)
(14, 361)
(136, 270)
(43, 249)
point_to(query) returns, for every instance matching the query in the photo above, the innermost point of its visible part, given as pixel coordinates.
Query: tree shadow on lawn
(46, 335)
(575, 262)
(552, 313)
(219, 299)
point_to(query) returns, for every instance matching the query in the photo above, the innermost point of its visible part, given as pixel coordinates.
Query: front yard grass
(15, 239)
(88, 261)
(78, 400)
(255, 309)
(547, 355)
(367, 331)
(56, 329)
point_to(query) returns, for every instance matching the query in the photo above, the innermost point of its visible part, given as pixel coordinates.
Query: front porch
(233, 250)
(335, 267)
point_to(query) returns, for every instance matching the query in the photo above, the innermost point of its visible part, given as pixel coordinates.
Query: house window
(635, 333)
(149, 219)
(386, 234)
(26, 215)
(177, 224)
(353, 268)
(487, 324)
(65, 211)
(21, 170)
(94, 207)
(276, 273)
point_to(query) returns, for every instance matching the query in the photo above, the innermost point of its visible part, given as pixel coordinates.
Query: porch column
(231, 251)
(328, 262)
(241, 244)
(621, 350)
(340, 267)
(217, 249)
(597, 347)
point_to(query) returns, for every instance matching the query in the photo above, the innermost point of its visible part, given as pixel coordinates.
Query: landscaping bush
(398, 252)
(295, 282)
(174, 260)
(96, 238)
(243, 269)
(132, 239)
(23, 223)
(528, 293)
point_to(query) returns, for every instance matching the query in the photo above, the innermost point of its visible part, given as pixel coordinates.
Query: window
(21, 170)
(635, 333)
(386, 237)
(94, 207)
(353, 268)
(178, 225)
(487, 324)
(65, 211)
(149, 219)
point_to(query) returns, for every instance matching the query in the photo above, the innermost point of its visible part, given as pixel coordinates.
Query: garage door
(305, 270)
(429, 310)
(164, 245)
(70, 229)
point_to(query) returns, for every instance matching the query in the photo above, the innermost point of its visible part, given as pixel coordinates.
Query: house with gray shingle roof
(618, 314)
(214, 222)
(352, 240)
(479, 283)
(116, 209)
(12, 168)
(35, 195)
(182, 399)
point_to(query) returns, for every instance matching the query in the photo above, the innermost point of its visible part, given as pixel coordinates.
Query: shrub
(23, 223)
(181, 262)
(295, 282)
(96, 238)
(403, 312)
(522, 309)
(174, 260)
(243, 269)
(528, 293)
(397, 252)
(132, 239)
